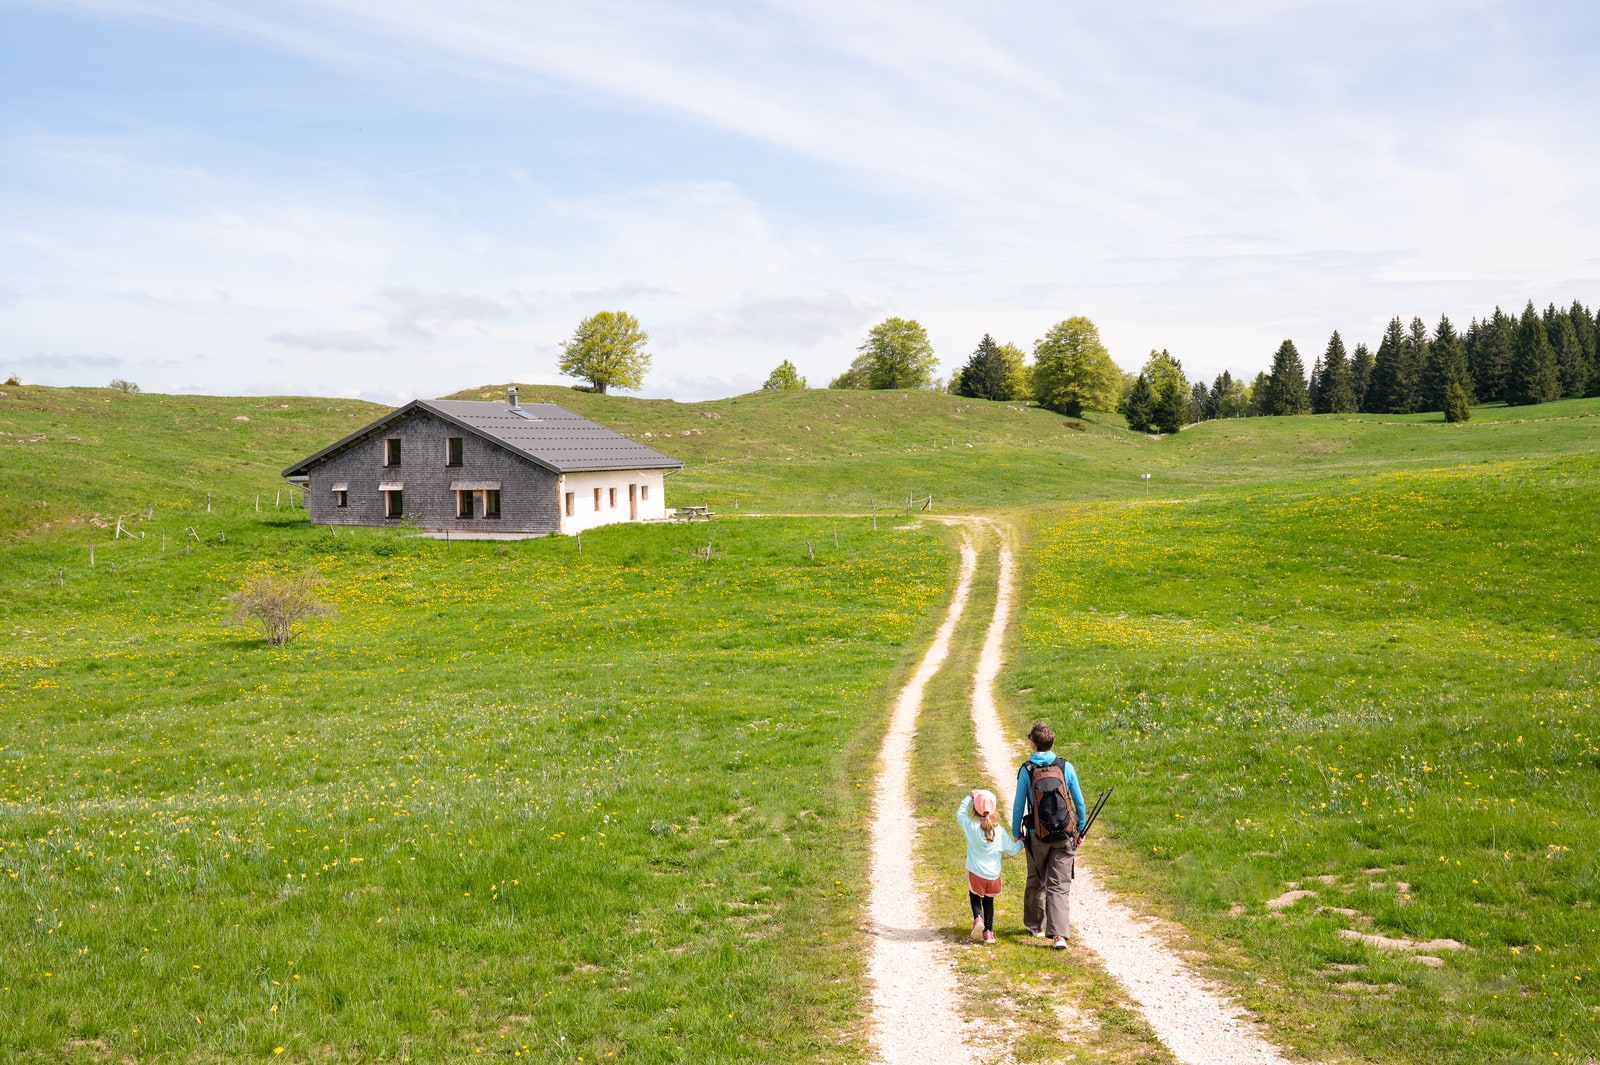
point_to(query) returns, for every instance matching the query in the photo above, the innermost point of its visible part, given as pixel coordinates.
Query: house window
(569, 504)
(491, 503)
(613, 499)
(393, 503)
(341, 497)
(463, 504)
(391, 451)
(597, 499)
(452, 451)
(644, 491)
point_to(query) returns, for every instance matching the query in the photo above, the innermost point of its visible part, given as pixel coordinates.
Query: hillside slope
(74, 454)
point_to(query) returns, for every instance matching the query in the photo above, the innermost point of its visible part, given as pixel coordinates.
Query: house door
(633, 502)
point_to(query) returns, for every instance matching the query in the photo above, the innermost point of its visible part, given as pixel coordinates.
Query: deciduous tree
(1072, 371)
(784, 378)
(898, 355)
(607, 350)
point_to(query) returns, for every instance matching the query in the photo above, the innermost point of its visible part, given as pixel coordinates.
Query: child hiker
(987, 842)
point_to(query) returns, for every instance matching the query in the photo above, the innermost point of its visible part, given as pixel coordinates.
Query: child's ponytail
(988, 821)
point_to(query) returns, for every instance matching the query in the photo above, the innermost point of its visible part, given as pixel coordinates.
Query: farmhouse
(484, 469)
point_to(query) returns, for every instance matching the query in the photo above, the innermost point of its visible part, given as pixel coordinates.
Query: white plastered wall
(649, 486)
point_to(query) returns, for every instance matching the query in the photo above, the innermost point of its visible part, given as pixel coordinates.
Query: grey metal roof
(546, 434)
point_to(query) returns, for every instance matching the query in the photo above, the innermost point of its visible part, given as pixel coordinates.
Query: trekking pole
(1099, 804)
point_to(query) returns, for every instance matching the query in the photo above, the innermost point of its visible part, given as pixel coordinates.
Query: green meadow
(512, 799)
(1377, 690)
(518, 800)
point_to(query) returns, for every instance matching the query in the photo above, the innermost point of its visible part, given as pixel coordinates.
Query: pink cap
(983, 803)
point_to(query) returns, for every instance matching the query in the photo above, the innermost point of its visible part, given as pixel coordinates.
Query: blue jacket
(983, 855)
(1019, 805)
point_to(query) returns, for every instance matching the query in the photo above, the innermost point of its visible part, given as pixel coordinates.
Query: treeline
(1071, 371)
(1499, 359)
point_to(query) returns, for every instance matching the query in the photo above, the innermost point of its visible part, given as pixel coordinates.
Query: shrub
(276, 605)
(122, 384)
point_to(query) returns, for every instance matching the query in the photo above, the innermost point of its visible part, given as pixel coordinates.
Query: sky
(395, 198)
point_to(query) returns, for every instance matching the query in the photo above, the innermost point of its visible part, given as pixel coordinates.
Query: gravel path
(915, 990)
(1197, 1024)
(915, 994)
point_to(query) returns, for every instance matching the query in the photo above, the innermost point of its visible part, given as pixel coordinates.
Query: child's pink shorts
(984, 889)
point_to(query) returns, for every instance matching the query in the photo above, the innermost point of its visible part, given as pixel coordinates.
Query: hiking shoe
(1060, 943)
(977, 929)
(988, 938)
(1036, 933)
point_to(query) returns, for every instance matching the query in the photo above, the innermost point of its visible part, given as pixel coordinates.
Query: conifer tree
(1199, 398)
(986, 375)
(1407, 397)
(1533, 377)
(1360, 375)
(1387, 385)
(1457, 408)
(1227, 398)
(1588, 338)
(1446, 365)
(1258, 394)
(1139, 406)
(1572, 363)
(1171, 411)
(1491, 356)
(1286, 384)
(1337, 394)
(1315, 389)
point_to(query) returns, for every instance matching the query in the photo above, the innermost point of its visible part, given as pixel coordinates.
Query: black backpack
(1053, 816)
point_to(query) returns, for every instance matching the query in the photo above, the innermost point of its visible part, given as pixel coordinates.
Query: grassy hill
(74, 454)
(518, 798)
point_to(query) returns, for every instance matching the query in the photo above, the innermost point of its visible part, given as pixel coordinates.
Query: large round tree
(1072, 371)
(898, 355)
(607, 350)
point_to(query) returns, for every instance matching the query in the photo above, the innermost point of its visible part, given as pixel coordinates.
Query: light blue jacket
(983, 855)
(1019, 805)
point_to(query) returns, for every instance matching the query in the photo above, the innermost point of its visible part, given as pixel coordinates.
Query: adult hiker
(1047, 814)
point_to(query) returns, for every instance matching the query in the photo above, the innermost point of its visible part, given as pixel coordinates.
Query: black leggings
(983, 905)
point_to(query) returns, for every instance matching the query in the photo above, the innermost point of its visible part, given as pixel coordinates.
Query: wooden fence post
(208, 502)
(809, 553)
(836, 537)
(91, 554)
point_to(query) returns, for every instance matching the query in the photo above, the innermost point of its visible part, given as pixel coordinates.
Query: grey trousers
(1046, 901)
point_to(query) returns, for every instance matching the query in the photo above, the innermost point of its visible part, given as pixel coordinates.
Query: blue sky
(395, 199)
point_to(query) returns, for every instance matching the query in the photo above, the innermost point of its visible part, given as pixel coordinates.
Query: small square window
(394, 503)
(452, 451)
(613, 499)
(391, 451)
(644, 491)
(491, 503)
(463, 504)
(341, 497)
(569, 504)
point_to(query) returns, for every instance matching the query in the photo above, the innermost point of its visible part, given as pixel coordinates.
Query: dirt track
(915, 986)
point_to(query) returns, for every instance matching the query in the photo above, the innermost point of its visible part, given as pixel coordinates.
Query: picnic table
(692, 513)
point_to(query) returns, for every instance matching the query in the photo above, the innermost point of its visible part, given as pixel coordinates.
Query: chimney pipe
(512, 397)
